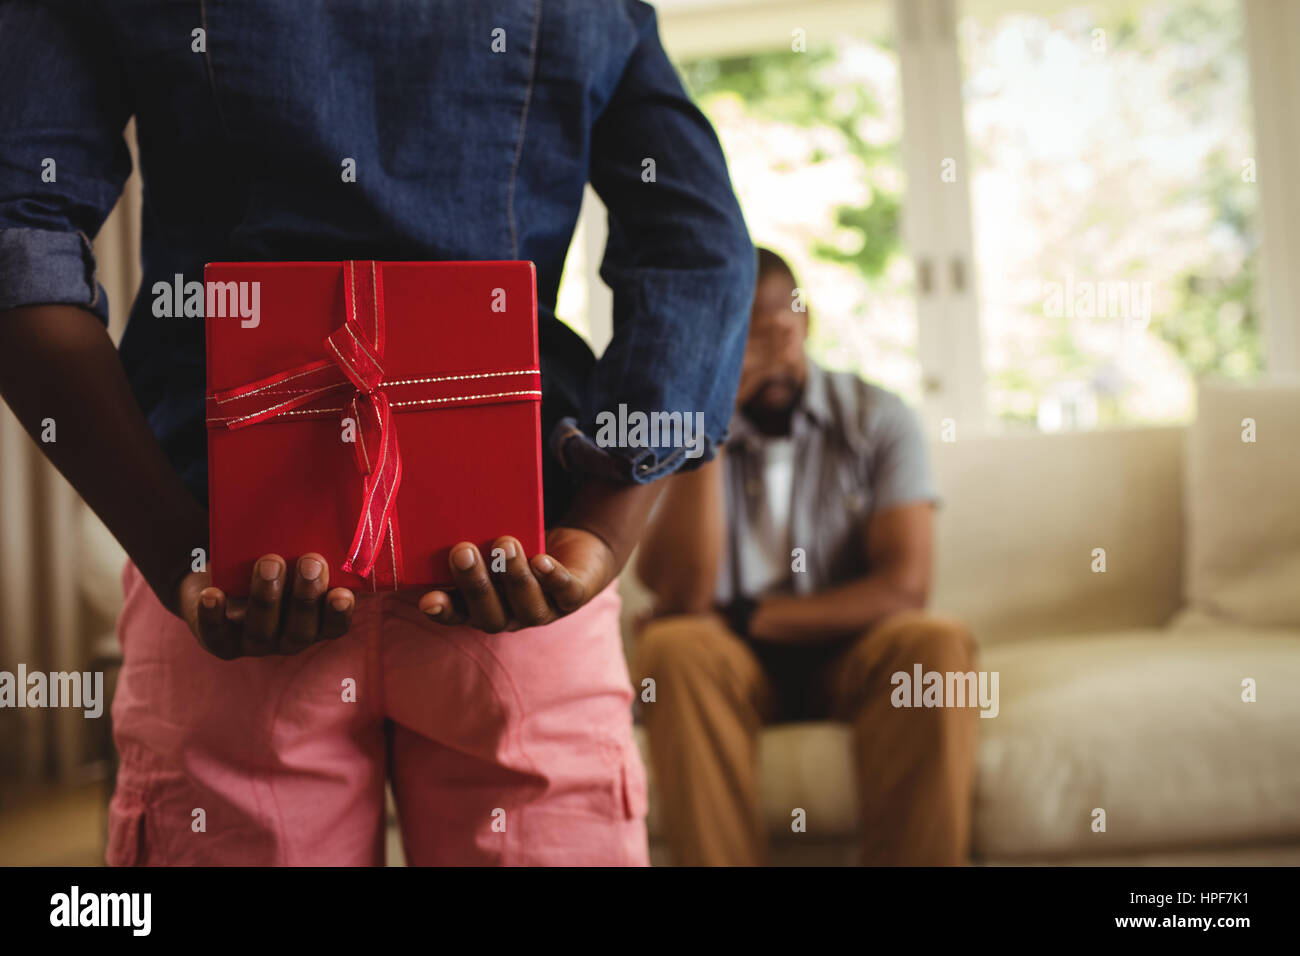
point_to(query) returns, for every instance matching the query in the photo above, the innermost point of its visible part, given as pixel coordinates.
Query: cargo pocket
(634, 800)
(127, 826)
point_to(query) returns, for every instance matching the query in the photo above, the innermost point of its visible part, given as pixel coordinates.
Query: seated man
(790, 577)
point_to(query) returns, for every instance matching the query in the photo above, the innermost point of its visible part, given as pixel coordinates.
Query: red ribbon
(354, 362)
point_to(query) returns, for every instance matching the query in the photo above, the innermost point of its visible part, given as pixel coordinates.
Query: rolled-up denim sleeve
(63, 160)
(681, 267)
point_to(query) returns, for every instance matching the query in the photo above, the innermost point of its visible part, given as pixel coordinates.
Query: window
(812, 140)
(1103, 194)
(1113, 195)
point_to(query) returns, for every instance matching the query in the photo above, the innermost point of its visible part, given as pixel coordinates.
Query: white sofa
(1122, 689)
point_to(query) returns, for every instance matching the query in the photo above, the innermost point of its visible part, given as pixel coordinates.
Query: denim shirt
(473, 127)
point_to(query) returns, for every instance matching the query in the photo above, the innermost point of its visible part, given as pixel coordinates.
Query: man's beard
(771, 407)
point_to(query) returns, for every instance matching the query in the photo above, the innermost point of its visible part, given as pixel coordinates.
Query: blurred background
(954, 181)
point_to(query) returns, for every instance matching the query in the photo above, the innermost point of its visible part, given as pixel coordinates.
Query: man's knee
(899, 645)
(936, 641)
(678, 641)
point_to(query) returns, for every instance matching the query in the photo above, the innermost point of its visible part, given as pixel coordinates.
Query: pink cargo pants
(512, 748)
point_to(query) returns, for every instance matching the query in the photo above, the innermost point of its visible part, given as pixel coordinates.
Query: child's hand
(278, 617)
(576, 567)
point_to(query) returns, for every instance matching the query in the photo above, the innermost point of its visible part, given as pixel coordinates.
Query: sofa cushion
(1151, 727)
(1243, 505)
(1023, 515)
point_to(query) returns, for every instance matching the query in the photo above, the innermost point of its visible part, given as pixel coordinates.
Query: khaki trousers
(714, 691)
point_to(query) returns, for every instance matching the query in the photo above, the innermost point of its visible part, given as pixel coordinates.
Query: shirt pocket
(842, 511)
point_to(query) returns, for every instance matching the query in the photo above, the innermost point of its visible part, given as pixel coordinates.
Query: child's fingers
(560, 585)
(262, 617)
(218, 635)
(336, 615)
(480, 594)
(440, 607)
(302, 618)
(528, 604)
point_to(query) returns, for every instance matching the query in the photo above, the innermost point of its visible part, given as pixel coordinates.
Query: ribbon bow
(354, 361)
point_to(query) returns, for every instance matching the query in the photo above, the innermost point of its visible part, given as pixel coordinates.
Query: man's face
(774, 351)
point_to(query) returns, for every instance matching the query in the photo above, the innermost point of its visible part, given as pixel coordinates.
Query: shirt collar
(816, 403)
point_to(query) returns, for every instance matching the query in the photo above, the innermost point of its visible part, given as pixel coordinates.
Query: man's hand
(576, 567)
(280, 616)
(898, 547)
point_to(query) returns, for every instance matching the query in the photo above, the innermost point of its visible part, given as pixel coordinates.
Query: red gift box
(376, 412)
